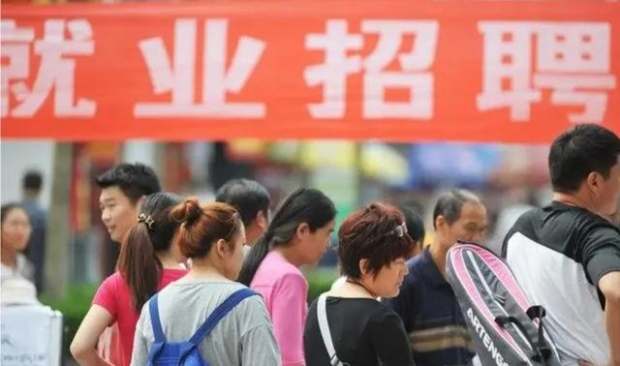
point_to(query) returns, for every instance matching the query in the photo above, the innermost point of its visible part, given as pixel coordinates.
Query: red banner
(356, 69)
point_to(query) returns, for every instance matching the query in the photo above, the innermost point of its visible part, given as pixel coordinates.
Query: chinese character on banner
(413, 75)
(176, 74)
(56, 71)
(571, 59)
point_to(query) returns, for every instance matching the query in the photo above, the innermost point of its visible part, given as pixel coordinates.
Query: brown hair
(376, 233)
(138, 264)
(203, 225)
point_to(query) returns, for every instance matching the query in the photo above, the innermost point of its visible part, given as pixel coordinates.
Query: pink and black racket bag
(507, 330)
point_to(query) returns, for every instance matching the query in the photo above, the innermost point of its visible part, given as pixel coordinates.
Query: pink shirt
(114, 296)
(285, 291)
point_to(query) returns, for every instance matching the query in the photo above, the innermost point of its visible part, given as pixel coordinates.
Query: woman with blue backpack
(205, 317)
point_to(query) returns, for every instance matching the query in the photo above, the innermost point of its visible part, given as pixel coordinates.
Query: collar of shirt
(430, 271)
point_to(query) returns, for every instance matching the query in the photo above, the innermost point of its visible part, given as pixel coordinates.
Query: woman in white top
(16, 230)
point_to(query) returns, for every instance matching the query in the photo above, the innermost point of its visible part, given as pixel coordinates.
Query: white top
(23, 270)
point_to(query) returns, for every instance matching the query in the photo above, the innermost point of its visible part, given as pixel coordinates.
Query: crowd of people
(220, 282)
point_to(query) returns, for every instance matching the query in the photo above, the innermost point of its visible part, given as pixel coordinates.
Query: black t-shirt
(364, 332)
(558, 254)
(575, 232)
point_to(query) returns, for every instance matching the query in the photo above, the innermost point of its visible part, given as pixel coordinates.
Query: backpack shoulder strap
(321, 309)
(158, 332)
(219, 313)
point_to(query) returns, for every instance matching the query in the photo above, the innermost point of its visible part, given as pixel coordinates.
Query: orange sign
(356, 69)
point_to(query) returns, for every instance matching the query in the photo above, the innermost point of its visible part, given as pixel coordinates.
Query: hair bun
(188, 211)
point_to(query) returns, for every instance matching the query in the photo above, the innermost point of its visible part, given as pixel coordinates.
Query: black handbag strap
(541, 348)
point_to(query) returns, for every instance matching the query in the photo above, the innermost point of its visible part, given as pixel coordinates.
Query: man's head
(122, 190)
(459, 215)
(32, 183)
(415, 227)
(252, 201)
(584, 163)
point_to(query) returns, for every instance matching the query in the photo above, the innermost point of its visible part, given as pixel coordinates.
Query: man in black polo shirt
(426, 303)
(566, 255)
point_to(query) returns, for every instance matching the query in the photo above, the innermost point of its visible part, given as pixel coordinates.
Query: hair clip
(401, 230)
(147, 220)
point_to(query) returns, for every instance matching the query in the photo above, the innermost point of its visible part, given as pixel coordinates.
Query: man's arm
(601, 259)
(609, 285)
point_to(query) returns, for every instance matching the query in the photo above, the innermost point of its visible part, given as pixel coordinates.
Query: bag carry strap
(543, 352)
(219, 313)
(158, 332)
(325, 333)
(538, 312)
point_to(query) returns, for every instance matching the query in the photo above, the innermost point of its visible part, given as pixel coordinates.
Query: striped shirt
(432, 316)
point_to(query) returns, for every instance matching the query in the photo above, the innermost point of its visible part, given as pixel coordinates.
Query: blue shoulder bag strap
(219, 313)
(158, 332)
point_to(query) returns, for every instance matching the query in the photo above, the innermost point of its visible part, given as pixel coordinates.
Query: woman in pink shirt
(298, 235)
(148, 262)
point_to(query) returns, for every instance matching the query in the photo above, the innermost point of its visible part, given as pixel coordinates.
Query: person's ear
(138, 204)
(261, 220)
(302, 231)
(441, 223)
(221, 247)
(594, 180)
(363, 266)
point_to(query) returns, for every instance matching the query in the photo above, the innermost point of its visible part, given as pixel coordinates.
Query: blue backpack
(186, 353)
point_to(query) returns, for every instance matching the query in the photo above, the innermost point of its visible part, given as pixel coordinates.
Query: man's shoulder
(587, 225)
(530, 215)
(33, 206)
(419, 261)
(602, 234)
(566, 229)
(560, 218)
(36, 212)
(417, 268)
